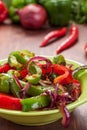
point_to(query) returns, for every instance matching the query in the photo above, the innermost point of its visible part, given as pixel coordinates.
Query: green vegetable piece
(36, 102)
(35, 90)
(7, 3)
(13, 62)
(18, 59)
(62, 9)
(12, 14)
(36, 72)
(15, 89)
(18, 3)
(13, 72)
(4, 83)
(30, 1)
(34, 79)
(59, 59)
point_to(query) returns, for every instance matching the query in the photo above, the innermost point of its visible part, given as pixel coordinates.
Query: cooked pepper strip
(33, 103)
(8, 102)
(64, 74)
(53, 35)
(74, 34)
(4, 68)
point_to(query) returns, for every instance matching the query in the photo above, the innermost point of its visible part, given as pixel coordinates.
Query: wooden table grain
(14, 37)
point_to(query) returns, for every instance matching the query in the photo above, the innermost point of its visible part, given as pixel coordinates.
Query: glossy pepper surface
(3, 11)
(58, 11)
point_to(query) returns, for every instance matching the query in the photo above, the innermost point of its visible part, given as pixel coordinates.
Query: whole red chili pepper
(4, 68)
(74, 33)
(85, 48)
(52, 35)
(3, 12)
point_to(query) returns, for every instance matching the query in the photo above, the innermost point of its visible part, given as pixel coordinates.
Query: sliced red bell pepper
(45, 69)
(64, 74)
(23, 73)
(8, 102)
(4, 68)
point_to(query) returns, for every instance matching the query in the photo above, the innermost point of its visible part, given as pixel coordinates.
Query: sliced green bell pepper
(18, 59)
(36, 72)
(4, 83)
(35, 103)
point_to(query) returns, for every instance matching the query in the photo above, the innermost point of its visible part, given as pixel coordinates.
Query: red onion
(17, 81)
(32, 16)
(66, 115)
(39, 58)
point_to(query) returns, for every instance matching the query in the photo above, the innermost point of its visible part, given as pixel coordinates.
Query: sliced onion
(66, 115)
(23, 92)
(38, 58)
(17, 81)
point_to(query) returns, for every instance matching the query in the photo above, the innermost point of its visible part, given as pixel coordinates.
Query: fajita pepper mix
(29, 82)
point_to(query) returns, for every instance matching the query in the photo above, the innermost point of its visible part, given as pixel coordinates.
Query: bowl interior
(34, 118)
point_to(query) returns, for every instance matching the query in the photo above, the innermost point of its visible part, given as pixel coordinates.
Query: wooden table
(13, 37)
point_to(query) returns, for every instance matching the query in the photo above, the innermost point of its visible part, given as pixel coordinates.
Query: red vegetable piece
(45, 69)
(85, 48)
(64, 74)
(23, 73)
(52, 35)
(8, 102)
(3, 12)
(74, 33)
(4, 68)
(32, 16)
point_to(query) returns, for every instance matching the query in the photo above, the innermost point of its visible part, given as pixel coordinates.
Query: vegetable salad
(29, 82)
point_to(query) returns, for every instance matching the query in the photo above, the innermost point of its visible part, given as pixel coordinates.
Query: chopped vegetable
(37, 82)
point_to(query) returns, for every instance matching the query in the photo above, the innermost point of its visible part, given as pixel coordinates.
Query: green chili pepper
(18, 59)
(36, 72)
(34, 103)
(4, 83)
(15, 89)
(62, 9)
(15, 5)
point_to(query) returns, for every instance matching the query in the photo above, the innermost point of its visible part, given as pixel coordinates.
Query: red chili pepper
(52, 35)
(8, 102)
(23, 73)
(3, 12)
(85, 48)
(74, 33)
(45, 69)
(4, 68)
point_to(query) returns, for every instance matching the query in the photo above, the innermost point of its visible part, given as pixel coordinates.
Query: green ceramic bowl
(35, 118)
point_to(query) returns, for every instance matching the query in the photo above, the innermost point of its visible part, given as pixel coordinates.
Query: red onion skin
(32, 16)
